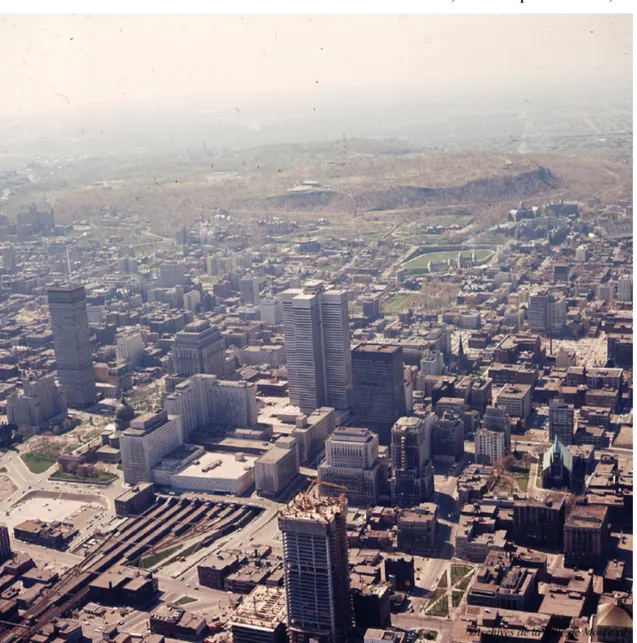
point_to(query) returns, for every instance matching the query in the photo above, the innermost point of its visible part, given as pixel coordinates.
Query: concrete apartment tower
(314, 535)
(317, 347)
(71, 340)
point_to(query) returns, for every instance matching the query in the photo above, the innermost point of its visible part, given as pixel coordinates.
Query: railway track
(127, 543)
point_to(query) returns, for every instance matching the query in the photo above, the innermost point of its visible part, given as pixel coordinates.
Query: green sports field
(420, 263)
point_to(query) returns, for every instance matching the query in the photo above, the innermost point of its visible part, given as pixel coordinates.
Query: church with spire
(566, 467)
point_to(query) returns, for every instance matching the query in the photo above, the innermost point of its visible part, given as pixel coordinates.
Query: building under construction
(261, 617)
(314, 538)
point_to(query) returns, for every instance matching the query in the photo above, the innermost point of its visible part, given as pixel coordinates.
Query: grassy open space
(464, 583)
(443, 582)
(151, 561)
(103, 476)
(441, 608)
(399, 302)
(184, 600)
(458, 572)
(420, 263)
(438, 593)
(456, 598)
(189, 551)
(38, 463)
(514, 476)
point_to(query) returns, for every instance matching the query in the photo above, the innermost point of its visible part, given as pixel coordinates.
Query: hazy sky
(126, 59)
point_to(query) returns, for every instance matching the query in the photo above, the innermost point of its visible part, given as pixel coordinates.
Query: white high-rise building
(581, 253)
(271, 311)
(490, 446)
(432, 362)
(192, 299)
(249, 288)
(625, 288)
(130, 346)
(203, 399)
(149, 439)
(7, 255)
(317, 346)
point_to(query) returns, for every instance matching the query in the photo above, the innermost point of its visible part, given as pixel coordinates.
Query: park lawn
(456, 598)
(464, 583)
(522, 480)
(38, 463)
(458, 572)
(443, 582)
(438, 593)
(441, 608)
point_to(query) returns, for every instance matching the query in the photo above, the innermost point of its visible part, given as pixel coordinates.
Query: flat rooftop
(587, 516)
(223, 466)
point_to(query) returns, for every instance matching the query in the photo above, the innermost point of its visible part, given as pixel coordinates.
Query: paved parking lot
(589, 351)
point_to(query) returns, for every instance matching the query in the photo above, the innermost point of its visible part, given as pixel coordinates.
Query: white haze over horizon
(70, 64)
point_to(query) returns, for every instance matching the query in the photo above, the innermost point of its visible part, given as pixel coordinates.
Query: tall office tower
(314, 535)
(538, 311)
(317, 347)
(625, 288)
(351, 461)
(336, 348)
(561, 421)
(379, 388)
(546, 312)
(71, 340)
(412, 471)
(448, 443)
(198, 348)
(7, 254)
(249, 288)
(5, 543)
